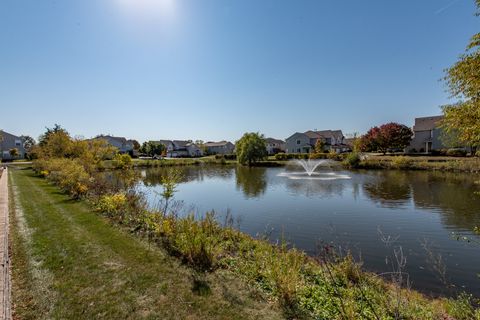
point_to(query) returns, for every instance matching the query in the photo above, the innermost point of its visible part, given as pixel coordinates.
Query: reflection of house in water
(153, 176)
(316, 188)
(452, 194)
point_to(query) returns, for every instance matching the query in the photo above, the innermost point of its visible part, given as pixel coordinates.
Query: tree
(13, 152)
(43, 139)
(251, 148)
(463, 82)
(152, 148)
(136, 145)
(389, 135)
(319, 146)
(28, 143)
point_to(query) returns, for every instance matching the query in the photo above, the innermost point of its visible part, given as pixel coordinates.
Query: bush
(226, 157)
(318, 156)
(477, 154)
(352, 160)
(69, 174)
(456, 152)
(112, 204)
(402, 162)
(122, 161)
(290, 156)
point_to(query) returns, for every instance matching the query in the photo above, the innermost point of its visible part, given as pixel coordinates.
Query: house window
(18, 143)
(431, 133)
(298, 150)
(298, 141)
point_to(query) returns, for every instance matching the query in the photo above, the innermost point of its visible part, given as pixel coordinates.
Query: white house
(275, 146)
(221, 147)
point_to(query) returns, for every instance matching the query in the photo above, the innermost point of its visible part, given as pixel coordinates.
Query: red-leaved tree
(388, 136)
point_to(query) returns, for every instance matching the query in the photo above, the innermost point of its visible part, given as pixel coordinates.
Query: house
(8, 142)
(221, 147)
(122, 144)
(305, 142)
(181, 148)
(275, 146)
(427, 135)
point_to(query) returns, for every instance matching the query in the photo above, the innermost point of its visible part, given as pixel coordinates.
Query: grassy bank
(69, 263)
(451, 164)
(88, 261)
(211, 160)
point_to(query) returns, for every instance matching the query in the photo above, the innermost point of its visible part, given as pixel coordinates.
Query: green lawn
(69, 263)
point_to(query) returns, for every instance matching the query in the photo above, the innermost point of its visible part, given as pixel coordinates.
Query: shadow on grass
(200, 286)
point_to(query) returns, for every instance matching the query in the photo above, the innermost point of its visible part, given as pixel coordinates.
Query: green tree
(251, 148)
(28, 143)
(43, 139)
(136, 145)
(463, 82)
(319, 146)
(13, 152)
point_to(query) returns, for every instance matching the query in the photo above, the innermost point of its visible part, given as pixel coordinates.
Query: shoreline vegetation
(365, 161)
(328, 286)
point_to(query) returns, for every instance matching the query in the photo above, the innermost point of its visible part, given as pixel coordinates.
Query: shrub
(402, 162)
(290, 156)
(112, 204)
(198, 241)
(318, 155)
(456, 152)
(226, 157)
(122, 161)
(477, 154)
(352, 160)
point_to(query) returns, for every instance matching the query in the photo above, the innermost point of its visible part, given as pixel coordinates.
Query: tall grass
(330, 287)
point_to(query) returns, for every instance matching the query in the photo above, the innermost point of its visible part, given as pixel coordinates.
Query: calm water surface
(370, 213)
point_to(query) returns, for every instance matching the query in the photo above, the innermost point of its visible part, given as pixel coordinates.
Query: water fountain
(310, 166)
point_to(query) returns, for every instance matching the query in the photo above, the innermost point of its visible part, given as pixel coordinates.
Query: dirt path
(5, 310)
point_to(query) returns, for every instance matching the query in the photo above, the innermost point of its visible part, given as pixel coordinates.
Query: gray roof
(164, 142)
(427, 123)
(122, 140)
(272, 140)
(337, 134)
(217, 144)
(181, 143)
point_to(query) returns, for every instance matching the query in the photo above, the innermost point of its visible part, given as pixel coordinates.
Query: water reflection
(390, 189)
(432, 205)
(252, 181)
(450, 194)
(153, 176)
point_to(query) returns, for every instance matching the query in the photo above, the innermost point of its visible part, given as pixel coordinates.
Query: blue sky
(214, 69)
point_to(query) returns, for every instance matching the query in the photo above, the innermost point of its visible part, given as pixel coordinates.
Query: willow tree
(463, 81)
(251, 148)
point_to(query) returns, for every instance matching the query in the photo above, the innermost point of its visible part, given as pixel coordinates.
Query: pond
(371, 214)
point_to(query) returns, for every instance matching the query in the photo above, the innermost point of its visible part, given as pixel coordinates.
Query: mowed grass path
(69, 263)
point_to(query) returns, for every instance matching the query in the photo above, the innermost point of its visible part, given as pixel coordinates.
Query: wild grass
(329, 287)
(450, 164)
(94, 270)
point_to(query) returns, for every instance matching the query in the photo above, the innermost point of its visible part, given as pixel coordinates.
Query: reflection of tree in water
(252, 181)
(453, 193)
(153, 176)
(389, 188)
